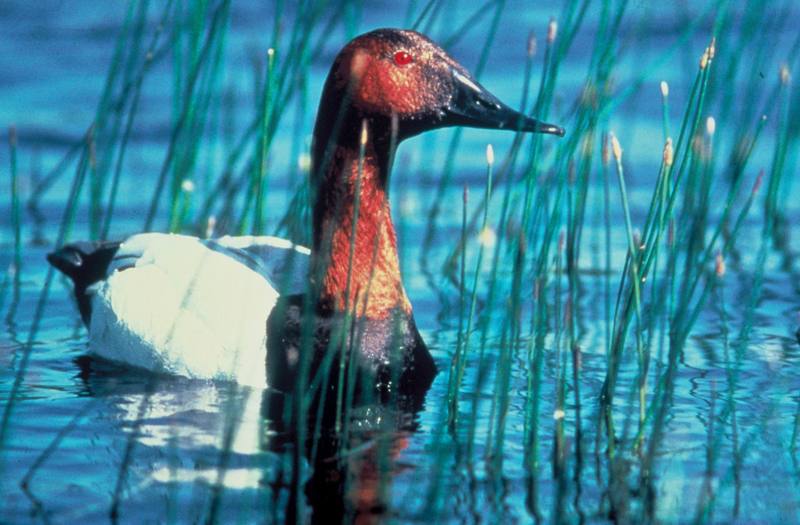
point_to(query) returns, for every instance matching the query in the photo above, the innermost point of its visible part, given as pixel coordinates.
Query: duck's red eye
(401, 58)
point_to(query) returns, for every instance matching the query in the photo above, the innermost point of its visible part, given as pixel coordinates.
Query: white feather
(184, 306)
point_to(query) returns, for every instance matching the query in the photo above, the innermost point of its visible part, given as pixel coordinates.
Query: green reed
(348, 308)
(184, 131)
(626, 301)
(136, 83)
(63, 235)
(108, 114)
(260, 182)
(462, 347)
(446, 177)
(228, 188)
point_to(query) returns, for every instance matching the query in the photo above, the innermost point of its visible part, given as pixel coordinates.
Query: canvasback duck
(235, 308)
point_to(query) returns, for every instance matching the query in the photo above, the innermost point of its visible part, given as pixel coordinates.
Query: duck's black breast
(388, 353)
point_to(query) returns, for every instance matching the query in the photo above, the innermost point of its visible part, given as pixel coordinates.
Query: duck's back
(192, 307)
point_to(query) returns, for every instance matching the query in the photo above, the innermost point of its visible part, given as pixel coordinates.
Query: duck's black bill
(474, 106)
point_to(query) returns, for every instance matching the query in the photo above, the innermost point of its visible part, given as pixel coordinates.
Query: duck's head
(392, 73)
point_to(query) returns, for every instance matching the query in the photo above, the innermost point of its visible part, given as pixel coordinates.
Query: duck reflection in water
(188, 434)
(353, 463)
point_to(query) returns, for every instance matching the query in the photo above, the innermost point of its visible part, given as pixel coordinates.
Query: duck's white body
(192, 307)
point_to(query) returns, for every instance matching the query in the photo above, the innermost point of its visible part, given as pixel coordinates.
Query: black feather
(85, 263)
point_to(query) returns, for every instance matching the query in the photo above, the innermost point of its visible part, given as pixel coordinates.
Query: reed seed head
(712, 48)
(669, 154)
(211, 224)
(558, 414)
(719, 266)
(552, 31)
(487, 238)
(615, 147)
(489, 154)
(704, 59)
(304, 162)
(711, 126)
(785, 77)
(187, 186)
(664, 89)
(531, 44)
(364, 135)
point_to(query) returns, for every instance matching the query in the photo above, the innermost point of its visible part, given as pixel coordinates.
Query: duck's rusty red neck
(358, 269)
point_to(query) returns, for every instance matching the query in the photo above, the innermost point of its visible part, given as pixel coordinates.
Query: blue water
(73, 426)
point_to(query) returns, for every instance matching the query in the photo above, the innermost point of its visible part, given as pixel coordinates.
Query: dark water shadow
(351, 472)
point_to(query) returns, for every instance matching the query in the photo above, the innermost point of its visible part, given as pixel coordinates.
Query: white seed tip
(487, 238)
(720, 265)
(304, 162)
(785, 77)
(615, 147)
(664, 89)
(531, 44)
(187, 186)
(270, 52)
(669, 154)
(489, 154)
(711, 126)
(210, 225)
(363, 139)
(704, 59)
(552, 31)
(558, 414)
